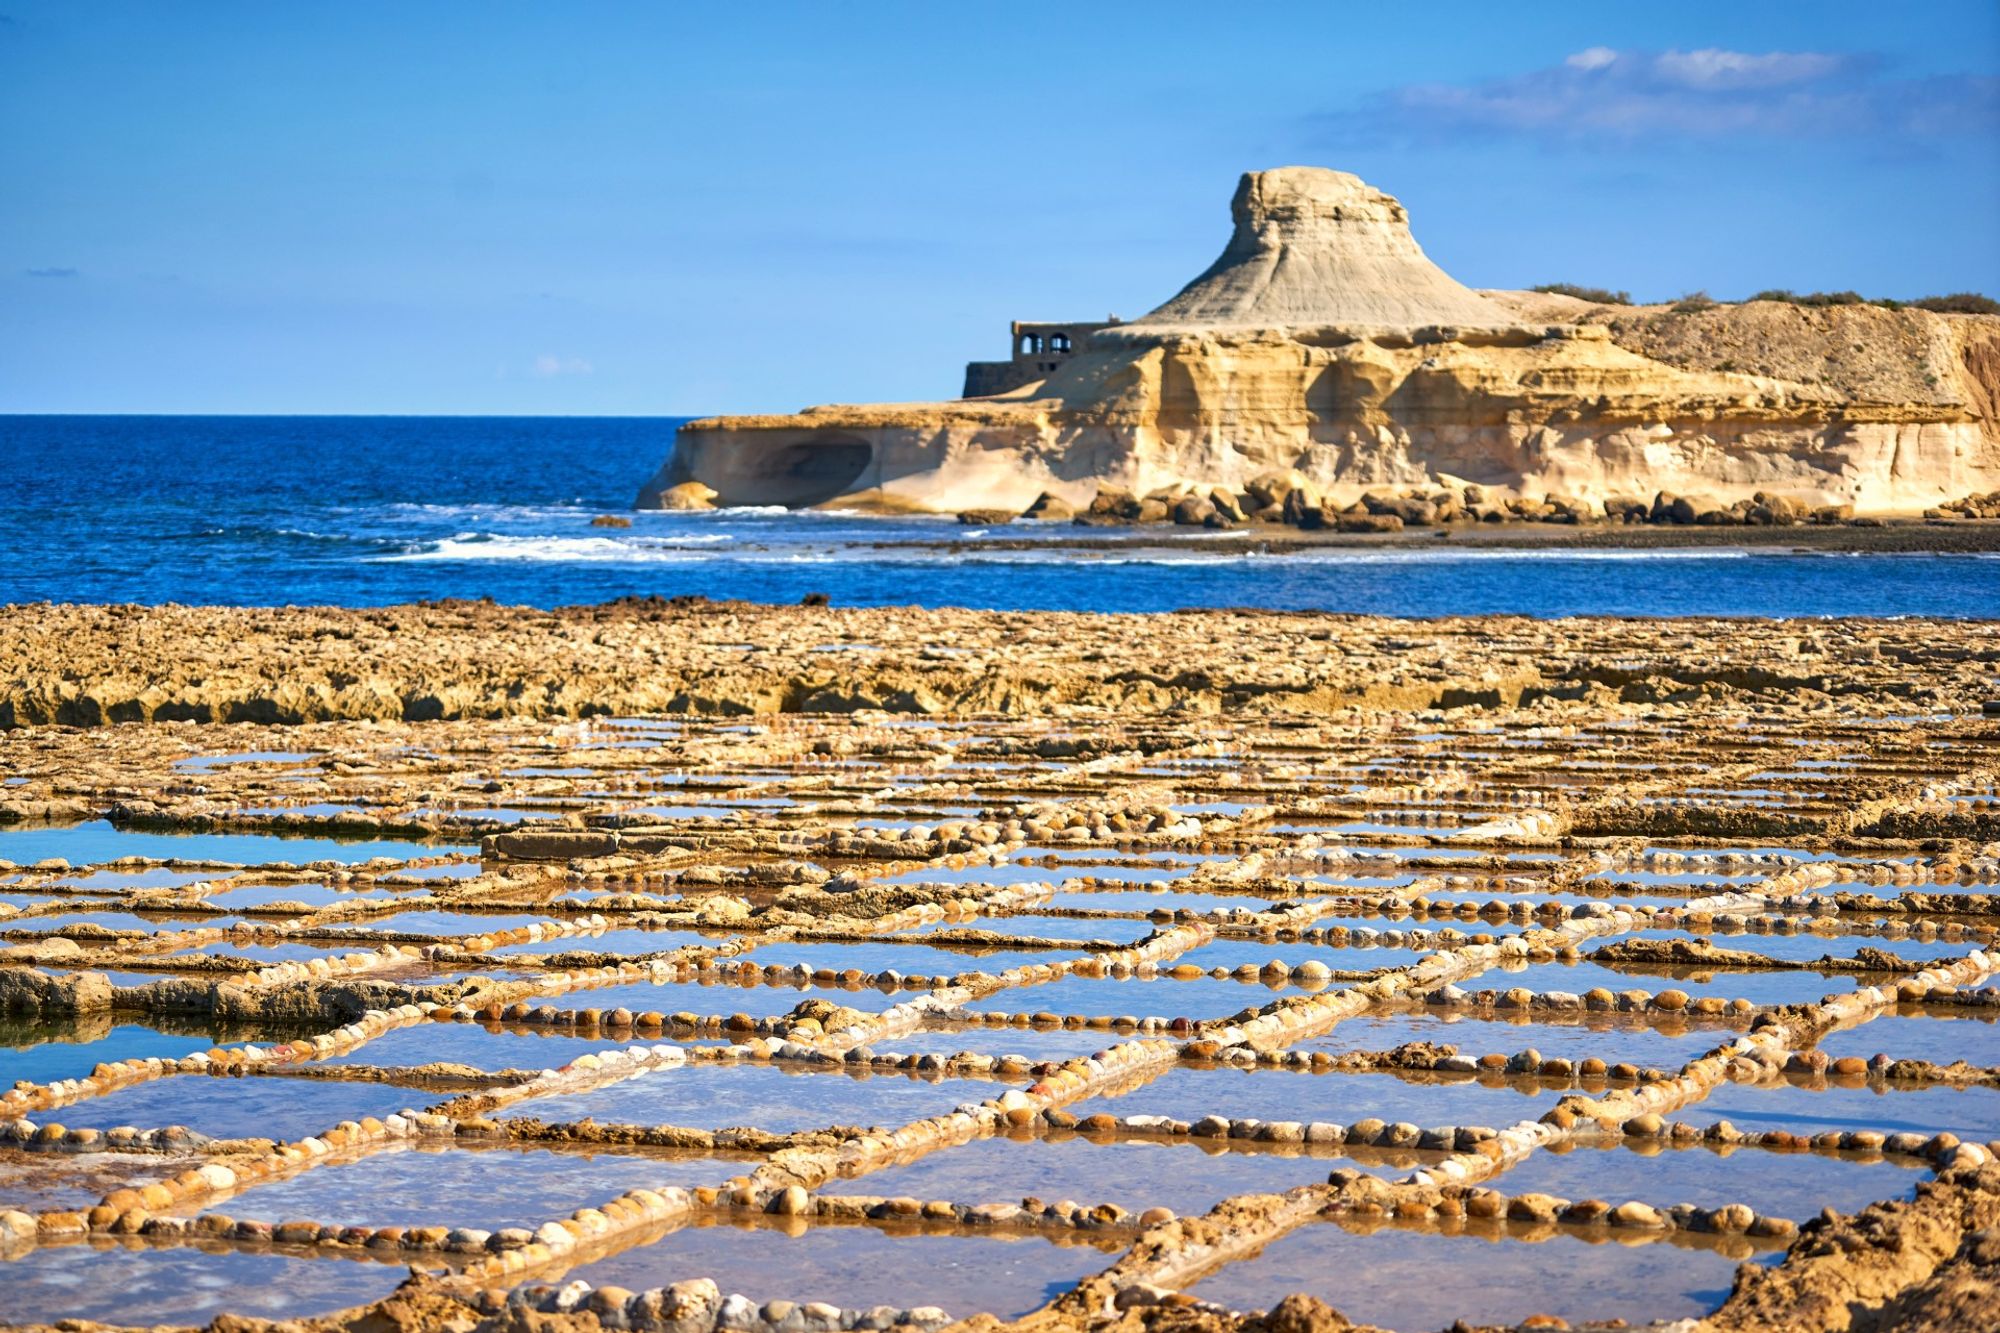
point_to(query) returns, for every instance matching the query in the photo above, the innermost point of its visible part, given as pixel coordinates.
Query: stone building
(1038, 350)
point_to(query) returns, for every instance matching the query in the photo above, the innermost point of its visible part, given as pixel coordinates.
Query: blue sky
(679, 208)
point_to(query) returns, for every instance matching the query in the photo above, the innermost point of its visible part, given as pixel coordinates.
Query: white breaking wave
(559, 550)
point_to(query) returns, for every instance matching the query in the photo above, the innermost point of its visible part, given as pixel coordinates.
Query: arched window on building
(1029, 345)
(1059, 344)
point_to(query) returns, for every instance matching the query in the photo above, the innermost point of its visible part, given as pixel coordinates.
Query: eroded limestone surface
(1421, 964)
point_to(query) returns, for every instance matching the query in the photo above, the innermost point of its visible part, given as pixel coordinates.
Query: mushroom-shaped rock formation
(1324, 342)
(1319, 248)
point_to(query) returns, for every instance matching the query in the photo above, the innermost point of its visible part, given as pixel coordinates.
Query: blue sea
(358, 511)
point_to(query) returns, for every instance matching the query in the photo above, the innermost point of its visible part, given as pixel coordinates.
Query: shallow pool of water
(1810, 947)
(1156, 900)
(40, 1182)
(1205, 997)
(154, 878)
(724, 998)
(96, 840)
(1971, 1113)
(1792, 1185)
(480, 1046)
(1187, 1092)
(287, 1109)
(312, 895)
(458, 1187)
(1031, 1042)
(44, 1051)
(1047, 927)
(764, 1096)
(1188, 1176)
(907, 959)
(1419, 1280)
(151, 923)
(858, 1267)
(134, 1284)
(1610, 1042)
(1234, 953)
(1756, 987)
(1915, 1034)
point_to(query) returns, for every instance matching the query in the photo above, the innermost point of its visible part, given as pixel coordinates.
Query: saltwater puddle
(96, 840)
(1794, 1185)
(1189, 1177)
(859, 1267)
(1036, 1043)
(448, 923)
(1048, 927)
(480, 1046)
(1698, 881)
(1807, 947)
(628, 943)
(765, 1096)
(156, 878)
(723, 998)
(1418, 1279)
(1186, 1092)
(424, 874)
(908, 959)
(43, 1053)
(312, 895)
(1333, 884)
(1756, 987)
(1914, 1034)
(1156, 900)
(280, 1108)
(1378, 922)
(134, 1284)
(461, 1187)
(1206, 997)
(983, 875)
(1495, 893)
(40, 1182)
(1971, 1113)
(203, 763)
(263, 955)
(1613, 1043)
(150, 923)
(1233, 954)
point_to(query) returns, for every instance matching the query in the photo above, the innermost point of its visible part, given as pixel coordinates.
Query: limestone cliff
(1324, 340)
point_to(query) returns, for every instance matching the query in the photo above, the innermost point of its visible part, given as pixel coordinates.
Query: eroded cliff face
(1323, 340)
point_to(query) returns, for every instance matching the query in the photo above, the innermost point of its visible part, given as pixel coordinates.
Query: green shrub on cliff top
(1958, 303)
(1595, 295)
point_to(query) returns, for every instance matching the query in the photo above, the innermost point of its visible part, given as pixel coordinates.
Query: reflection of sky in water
(1972, 1113)
(144, 1285)
(858, 1267)
(1776, 1184)
(767, 1096)
(1393, 1277)
(273, 1108)
(96, 840)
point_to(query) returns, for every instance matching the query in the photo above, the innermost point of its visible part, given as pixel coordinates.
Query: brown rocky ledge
(99, 665)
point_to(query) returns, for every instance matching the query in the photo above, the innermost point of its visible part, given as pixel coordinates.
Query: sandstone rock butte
(1323, 340)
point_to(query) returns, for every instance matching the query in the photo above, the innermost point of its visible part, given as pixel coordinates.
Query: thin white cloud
(549, 367)
(1712, 67)
(1599, 93)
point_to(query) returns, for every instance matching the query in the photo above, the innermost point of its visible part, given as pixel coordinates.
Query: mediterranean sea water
(371, 510)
